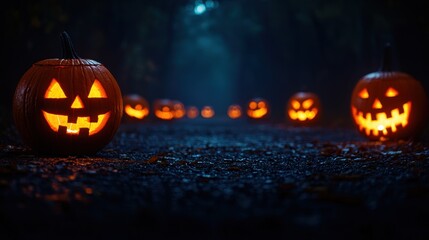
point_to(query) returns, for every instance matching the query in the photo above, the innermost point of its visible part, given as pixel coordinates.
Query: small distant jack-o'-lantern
(67, 106)
(192, 112)
(257, 108)
(234, 111)
(207, 112)
(135, 107)
(303, 108)
(389, 105)
(163, 109)
(179, 109)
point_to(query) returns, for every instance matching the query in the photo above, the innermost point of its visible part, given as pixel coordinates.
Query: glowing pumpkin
(192, 112)
(178, 109)
(388, 105)
(303, 108)
(207, 112)
(69, 105)
(234, 111)
(163, 109)
(257, 108)
(135, 107)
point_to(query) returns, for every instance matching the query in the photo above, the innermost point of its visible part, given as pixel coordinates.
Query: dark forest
(227, 52)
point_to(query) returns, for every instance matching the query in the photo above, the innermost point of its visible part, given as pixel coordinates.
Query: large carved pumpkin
(68, 105)
(388, 105)
(303, 108)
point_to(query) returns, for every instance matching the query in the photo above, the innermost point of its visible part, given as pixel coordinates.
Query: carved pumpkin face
(303, 108)
(257, 108)
(234, 111)
(387, 105)
(67, 106)
(179, 109)
(68, 115)
(135, 107)
(207, 112)
(163, 109)
(192, 112)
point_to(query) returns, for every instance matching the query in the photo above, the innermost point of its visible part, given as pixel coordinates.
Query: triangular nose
(77, 103)
(377, 104)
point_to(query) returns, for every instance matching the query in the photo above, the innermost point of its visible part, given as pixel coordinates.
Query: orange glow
(77, 103)
(97, 90)
(391, 92)
(303, 115)
(377, 104)
(54, 90)
(257, 109)
(307, 103)
(379, 126)
(295, 104)
(364, 94)
(138, 112)
(59, 122)
(303, 108)
(192, 112)
(253, 105)
(207, 112)
(179, 110)
(56, 121)
(234, 111)
(164, 113)
(259, 113)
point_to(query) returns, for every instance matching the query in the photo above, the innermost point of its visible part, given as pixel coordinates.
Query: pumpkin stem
(67, 46)
(386, 64)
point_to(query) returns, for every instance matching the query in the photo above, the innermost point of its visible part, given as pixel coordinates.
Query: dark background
(233, 51)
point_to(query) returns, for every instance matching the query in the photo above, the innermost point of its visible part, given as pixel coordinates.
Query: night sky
(218, 53)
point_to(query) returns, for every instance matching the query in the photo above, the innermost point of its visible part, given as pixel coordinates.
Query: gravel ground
(218, 180)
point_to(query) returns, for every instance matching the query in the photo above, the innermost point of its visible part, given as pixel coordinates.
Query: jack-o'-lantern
(135, 107)
(163, 109)
(303, 108)
(207, 112)
(257, 108)
(388, 105)
(179, 109)
(192, 112)
(67, 106)
(234, 111)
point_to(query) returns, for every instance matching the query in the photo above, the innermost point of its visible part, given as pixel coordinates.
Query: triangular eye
(307, 103)
(364, 94)
(391, 92)
(97, 90)
(54, 90)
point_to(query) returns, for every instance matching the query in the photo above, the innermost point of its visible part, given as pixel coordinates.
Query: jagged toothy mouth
(303, 115)
(381, 125)
(82, 126)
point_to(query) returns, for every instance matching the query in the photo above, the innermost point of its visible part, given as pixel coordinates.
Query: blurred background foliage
(206, 52)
